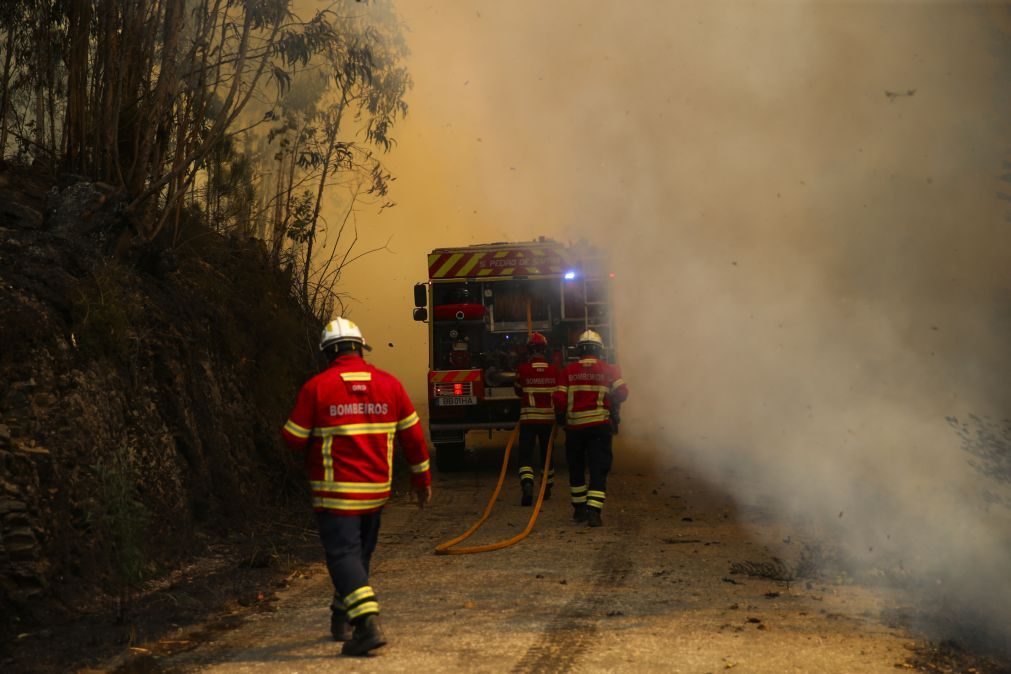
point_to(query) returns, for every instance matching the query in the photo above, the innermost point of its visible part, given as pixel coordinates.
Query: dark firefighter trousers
(588, 449)
(530, 434)
(348, 543)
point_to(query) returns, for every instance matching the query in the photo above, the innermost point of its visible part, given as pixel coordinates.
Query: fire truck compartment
(484, 301)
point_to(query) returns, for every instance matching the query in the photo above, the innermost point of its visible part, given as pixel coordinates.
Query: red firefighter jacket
(535, 383)
(346, 419)
(587, 391)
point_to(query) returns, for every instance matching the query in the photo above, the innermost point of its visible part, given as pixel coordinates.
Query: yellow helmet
(341, 330)
(590, 337)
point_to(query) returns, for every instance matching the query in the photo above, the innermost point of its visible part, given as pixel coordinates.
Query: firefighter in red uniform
(586, 401)
(535, 384)
(345, 420)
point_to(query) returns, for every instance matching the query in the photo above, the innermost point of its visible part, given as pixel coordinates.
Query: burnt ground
(678, 579)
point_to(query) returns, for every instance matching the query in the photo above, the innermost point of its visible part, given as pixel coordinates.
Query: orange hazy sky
(686, 136)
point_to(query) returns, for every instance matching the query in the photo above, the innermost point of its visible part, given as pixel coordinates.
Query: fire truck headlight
(569, 275)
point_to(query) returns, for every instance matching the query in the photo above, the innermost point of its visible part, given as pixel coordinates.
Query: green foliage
(137, 95)
(301, 222)
(120, 516)
(230, 190)
(242, 116)
(264, 13)
(104, 316)
(334, 137)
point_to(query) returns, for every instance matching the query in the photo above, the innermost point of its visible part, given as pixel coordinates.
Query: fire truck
(480, 303)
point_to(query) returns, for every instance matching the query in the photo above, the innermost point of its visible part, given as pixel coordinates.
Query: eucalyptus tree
(339, 141)
(155, 98)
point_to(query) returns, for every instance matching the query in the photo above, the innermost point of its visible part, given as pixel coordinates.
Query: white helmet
(590, 337)
(341, 330)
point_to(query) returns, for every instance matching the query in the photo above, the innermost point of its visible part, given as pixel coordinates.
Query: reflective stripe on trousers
(348, 544)
(529, 435)
(588, 450)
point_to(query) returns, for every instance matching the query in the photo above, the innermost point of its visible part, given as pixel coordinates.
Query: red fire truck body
(480, 304)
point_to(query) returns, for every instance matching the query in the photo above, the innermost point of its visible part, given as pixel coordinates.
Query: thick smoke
(807, 208)
(802, 201)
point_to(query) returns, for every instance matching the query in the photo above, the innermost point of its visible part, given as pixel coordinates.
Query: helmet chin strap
(344, 347)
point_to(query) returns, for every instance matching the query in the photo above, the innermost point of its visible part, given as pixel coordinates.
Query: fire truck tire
(449, 456)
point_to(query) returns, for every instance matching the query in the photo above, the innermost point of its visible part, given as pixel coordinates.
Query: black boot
(340, 628)
(547, 492)
(593, 517)
(579, 512)
(367, 636)
(528, 493)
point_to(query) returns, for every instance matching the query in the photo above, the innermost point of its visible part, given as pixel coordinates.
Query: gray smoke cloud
(806, 204)
(802, 202)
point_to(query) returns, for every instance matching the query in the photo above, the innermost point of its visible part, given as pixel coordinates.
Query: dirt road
(652, 590)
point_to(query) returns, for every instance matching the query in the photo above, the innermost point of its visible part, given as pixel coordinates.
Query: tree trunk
(42, 48)
(5, 100)
(333, 131)
(40, 116)
(277, 233)
(76, 125)
(289, 188)
(230, 111)
(161, 99)
(51, 110)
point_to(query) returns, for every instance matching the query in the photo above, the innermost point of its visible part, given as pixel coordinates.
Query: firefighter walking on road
(345, 420)
(586, 400)
(535, 384)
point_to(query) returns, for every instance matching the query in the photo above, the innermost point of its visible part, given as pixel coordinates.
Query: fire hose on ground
(447, 547)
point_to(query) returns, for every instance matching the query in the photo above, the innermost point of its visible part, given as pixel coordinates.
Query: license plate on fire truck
(446, 401)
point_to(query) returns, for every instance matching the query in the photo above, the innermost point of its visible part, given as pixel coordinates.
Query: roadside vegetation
(179, 189)
(244, 116)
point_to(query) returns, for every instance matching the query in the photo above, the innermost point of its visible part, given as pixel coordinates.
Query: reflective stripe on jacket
(346, 419)
(535, 384)
(586, 391)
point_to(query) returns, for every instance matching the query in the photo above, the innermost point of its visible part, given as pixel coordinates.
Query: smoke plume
(808, 214)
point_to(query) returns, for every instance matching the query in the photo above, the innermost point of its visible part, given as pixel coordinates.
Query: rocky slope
(141, 389)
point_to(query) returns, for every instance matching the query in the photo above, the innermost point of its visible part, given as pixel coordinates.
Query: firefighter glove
(423, 494)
